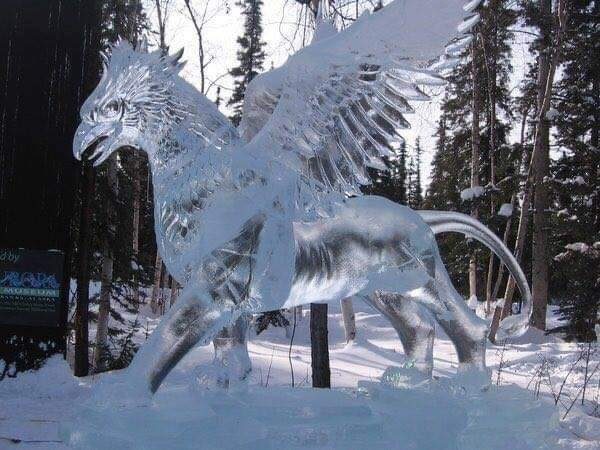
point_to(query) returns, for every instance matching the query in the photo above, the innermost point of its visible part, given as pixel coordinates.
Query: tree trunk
(349, 319)
(198, 27)
(81, 362)
(174, 291)
(321, 374)
(541, 163)
(501, 311)
(162, 25)
(156, 285)
(101, 355)
(540, 146)
(490, 56)
(475, 143)
(519, 245)
(498, 309)
(164, 283)
(135, 235)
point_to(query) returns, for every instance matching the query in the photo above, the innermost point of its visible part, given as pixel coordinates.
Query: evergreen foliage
(451, 163)
(415, 190)
(270, 318)
(391, 183)
(576, 176)
(251, 55)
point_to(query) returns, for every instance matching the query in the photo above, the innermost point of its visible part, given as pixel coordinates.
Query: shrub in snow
(580, 247)
(471, 193)
(580, 301)
(270, 318)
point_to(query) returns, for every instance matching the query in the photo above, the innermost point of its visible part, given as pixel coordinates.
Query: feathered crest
(123, 55)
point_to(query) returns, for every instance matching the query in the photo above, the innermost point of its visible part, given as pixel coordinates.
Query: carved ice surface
(259, 218)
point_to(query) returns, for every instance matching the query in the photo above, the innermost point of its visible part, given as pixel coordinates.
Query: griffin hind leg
(467, 332)
(232, 362)
(413, 325)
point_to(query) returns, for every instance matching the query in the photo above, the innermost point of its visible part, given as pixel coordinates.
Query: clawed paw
(405, 377)
(221, 375)
(472, 379)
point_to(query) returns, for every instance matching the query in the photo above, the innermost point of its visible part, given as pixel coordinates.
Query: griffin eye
(112, 108)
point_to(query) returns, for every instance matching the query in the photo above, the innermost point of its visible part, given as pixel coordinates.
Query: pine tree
(415, 190)
(250, 56)
(391, 183)
(488, 61)
(576, 176)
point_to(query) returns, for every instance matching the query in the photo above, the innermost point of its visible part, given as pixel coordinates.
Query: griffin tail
(443, 222)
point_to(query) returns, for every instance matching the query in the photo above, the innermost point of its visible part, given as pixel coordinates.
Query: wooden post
(321, 374)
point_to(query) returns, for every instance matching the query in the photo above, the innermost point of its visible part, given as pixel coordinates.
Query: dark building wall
(48, 64)
(43, 69)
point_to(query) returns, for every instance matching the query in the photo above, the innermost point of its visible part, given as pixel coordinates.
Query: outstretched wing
(336, 107)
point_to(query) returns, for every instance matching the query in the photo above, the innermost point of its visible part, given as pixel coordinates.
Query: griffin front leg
(194, 319)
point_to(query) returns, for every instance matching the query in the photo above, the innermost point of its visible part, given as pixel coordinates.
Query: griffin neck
(195, 163)
(197, 135)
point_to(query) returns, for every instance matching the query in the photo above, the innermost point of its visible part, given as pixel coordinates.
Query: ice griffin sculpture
(261, 217)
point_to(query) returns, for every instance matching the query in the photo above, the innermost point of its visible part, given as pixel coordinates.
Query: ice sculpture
(259, 218)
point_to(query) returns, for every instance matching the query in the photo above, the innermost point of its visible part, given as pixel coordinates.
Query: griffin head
(132, 104)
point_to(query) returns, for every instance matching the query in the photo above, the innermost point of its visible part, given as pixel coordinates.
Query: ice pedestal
(401, 411)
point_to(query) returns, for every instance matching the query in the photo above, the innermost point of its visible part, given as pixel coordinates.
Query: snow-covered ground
(44, 409)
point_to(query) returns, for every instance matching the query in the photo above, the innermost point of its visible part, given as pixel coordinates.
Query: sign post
(33, 307)
(30, 288)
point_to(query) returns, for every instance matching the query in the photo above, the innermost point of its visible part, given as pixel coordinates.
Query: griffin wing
(336, 107)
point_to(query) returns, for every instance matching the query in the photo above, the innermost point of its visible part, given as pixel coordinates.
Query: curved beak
(93, 142)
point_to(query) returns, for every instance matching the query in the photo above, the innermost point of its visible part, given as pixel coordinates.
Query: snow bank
(582, 425)
(372, 406)
(53, 379)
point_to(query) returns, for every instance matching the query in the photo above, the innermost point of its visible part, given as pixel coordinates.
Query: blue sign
(30, 288)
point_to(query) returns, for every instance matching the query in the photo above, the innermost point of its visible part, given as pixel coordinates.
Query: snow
(506, 210)
(580, 247)
(579, 180)
(370, 406)
(472, 302)
(471, 193)
(552, 114)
